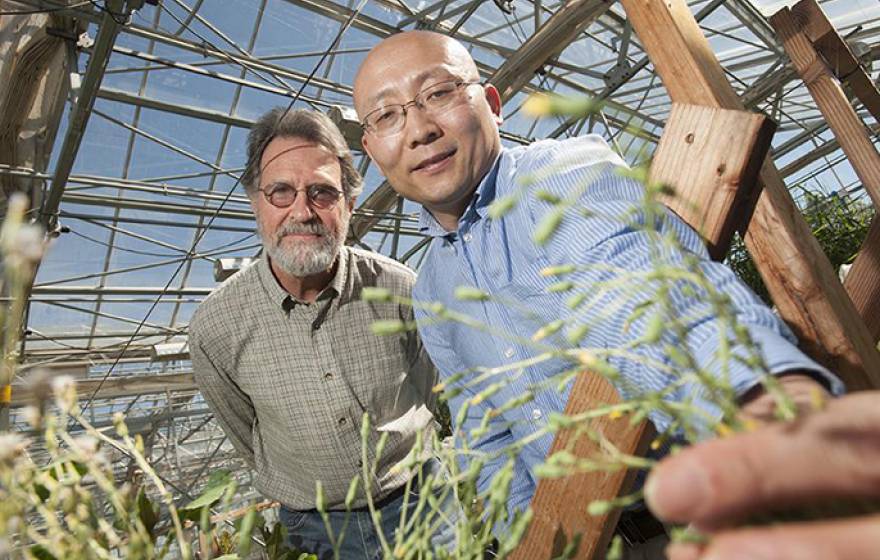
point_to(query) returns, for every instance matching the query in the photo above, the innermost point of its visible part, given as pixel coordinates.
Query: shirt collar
(479, 205)
(280, 297)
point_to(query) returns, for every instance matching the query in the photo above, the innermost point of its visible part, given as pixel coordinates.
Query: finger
(832, 454)
(683, 551)
(852, 539)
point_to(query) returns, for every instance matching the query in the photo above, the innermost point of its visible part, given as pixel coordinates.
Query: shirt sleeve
(617, 247)
(232, 408)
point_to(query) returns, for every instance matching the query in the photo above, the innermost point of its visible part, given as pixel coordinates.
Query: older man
(283, 351)
(432, 128)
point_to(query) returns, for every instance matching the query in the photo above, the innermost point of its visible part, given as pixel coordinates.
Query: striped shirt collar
(479, 205)
(280, 297)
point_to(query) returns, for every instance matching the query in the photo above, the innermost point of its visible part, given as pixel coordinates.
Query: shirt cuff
(779, 355)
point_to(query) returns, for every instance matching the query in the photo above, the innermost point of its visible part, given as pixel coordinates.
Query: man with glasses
(285, 358)
(432, 128)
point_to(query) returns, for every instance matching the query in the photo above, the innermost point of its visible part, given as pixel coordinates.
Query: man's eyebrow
(419, 78)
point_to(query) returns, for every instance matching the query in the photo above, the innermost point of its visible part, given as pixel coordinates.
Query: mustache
(292, 228)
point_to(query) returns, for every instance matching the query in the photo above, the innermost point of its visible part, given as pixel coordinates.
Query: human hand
(803, 390)
(821, 462)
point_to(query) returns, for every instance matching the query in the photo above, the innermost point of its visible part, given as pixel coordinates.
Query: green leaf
(247, 527)
(384, 327)
(148, 516)
(502, 205)
(470, 293)
(42, 492)
(41, 553)
(214, 490)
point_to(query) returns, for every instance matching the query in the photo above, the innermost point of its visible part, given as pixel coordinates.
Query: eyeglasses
(318, 196)
(433, 100)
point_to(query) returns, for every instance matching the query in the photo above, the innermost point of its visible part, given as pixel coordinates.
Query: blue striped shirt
(500, 257)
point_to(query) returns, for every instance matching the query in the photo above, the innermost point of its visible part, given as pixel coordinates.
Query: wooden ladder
(742, 191)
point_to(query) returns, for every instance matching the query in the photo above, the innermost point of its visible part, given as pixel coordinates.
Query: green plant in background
(69, 504)
(839, 223)
(72, 507)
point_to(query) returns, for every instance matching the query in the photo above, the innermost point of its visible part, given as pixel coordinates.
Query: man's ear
(351, 202)
(366, 146)
(494, 100)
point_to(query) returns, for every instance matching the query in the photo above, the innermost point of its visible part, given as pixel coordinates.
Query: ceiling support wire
(262, 59)
(212, 183)
(282, 91)
(150, 222)
(161, 142)
(471, 9)
(246, 63)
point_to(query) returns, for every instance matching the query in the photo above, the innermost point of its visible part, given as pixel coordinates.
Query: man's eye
(280, 191)
(385, 115)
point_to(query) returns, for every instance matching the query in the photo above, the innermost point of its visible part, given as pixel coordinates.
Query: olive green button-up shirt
(290, 381)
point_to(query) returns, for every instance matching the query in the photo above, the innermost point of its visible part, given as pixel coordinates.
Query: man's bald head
(426, 45)
(430, 125)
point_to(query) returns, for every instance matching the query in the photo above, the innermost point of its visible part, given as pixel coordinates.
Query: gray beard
(306, 259)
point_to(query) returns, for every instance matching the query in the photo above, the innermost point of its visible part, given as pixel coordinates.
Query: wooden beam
(863, 281)
(706, 154)
(559, 508)
(797, 273)
(548, 41)
(848, 128)
(23, 394)
(712, 157)
(837, 54)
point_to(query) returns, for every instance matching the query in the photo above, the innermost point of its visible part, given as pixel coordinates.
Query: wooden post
(797, 273)
(714, 193)
(804, 32)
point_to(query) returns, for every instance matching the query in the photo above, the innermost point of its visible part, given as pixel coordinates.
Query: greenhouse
(539, 370)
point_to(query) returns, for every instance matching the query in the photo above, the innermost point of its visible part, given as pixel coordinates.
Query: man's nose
(300, 211)
(421, 127)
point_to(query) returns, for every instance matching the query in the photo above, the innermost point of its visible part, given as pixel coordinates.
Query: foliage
(73, 507)
(839, 223)
(69, 504)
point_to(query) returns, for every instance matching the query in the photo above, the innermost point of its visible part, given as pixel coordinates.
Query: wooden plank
(831, 100)
(559, 506)
(863, 281)
(798, 275)
(848, 128)
(837, 54)
(23, 394)
(706, 154)
(712, 157)
(548, 41)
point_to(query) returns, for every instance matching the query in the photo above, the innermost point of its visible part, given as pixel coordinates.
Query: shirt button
(536, 414)
(342, 421)
(509, 352)
(328, 376)
(466, 237)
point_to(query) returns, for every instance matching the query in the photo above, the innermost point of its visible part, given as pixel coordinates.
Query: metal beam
(174, 108)
(546, 43)
(82, 108)
(116, 387)
(122, 290)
